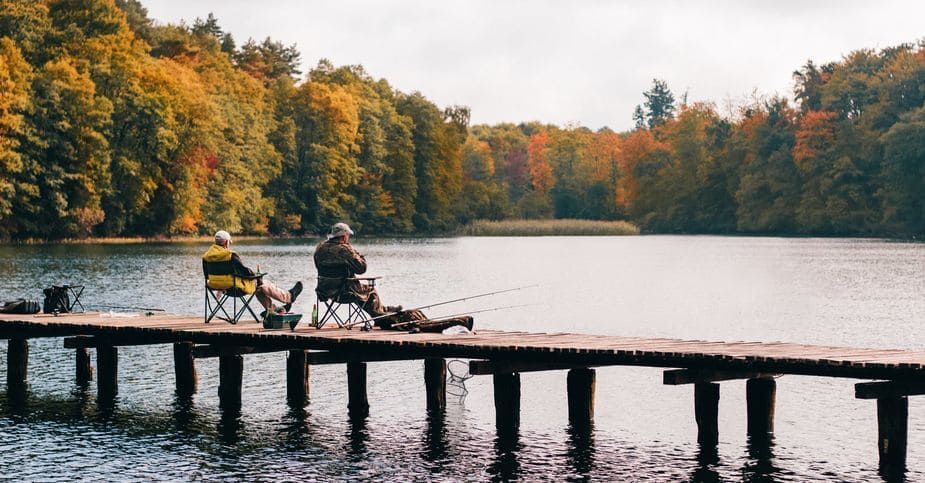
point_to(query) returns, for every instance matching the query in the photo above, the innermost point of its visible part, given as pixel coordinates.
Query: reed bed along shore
(562, 227)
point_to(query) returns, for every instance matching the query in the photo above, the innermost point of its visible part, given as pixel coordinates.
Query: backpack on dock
(56, 300)
(20, 306)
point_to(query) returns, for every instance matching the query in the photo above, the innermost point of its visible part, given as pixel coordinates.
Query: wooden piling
(435, 383)
(230, 376)
(760, 397)
(892, 430)
(184, 368)
(17, 364)
(581, 384)
(83, 371)
(357, 404)
(507, 400)
(297, 378)
(706, 412)
(107, 366)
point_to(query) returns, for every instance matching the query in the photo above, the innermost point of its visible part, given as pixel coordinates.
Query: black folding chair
(344, 297)
(216, 297)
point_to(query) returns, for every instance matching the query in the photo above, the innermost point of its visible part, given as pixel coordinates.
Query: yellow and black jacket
(218, 266)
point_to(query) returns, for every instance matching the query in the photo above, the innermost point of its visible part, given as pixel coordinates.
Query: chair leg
(247, 303)
(220, 307)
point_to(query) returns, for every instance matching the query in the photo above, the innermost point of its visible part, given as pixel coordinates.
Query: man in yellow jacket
(223, 268)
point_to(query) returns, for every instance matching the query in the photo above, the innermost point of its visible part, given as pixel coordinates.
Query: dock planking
(591, 350)
(503, 354)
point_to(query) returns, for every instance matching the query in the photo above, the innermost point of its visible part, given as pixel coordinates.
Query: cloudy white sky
(584, 61)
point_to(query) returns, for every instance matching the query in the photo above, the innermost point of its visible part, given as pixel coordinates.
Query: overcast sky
(584, 62)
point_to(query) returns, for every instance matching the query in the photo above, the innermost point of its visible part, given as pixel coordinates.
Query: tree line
(114, 125)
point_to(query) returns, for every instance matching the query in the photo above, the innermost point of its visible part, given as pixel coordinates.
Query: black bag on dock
(56, 300)
(20, 306)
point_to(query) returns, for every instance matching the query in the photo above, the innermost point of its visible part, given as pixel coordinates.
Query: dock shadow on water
(436, 444)
(506, 465)
(759, 465)
(357, 437)
(580, 451)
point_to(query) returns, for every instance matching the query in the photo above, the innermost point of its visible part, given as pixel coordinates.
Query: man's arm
(239, 268)
(355, 261)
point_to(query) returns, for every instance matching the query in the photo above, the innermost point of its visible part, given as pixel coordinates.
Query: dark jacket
(336, 262)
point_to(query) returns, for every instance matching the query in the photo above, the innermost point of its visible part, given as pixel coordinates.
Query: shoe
(393, 309)
(293, 294)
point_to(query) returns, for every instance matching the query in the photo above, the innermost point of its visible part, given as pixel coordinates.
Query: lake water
(823, 291)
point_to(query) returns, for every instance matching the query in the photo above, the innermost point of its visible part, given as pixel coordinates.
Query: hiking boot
(293, 294)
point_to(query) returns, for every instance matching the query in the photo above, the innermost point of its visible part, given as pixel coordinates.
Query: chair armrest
(255, 276)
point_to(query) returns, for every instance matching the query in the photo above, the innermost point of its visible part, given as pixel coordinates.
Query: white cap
(340, 229)
(221, 236)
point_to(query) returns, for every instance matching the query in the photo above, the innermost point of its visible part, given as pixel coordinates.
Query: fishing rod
(383, 316)
(444, 317)
(146, 309)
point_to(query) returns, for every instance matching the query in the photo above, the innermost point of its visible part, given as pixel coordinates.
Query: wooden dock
(892, 374)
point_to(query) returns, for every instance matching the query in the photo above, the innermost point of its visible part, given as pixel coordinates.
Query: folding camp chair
(344, 297)
(217, 296)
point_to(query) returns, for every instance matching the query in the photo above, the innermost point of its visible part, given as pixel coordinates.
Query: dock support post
(297, 378)
(507, 400)
(83, 368)
(435, 383)
(581, 385)
(17, 364)
(230, 375)
(706, 412)
(892, 430)
(184, 368)
(107, 364)
(760, 401)
(357, 404)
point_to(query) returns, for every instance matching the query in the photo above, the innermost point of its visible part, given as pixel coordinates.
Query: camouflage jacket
(336, 261)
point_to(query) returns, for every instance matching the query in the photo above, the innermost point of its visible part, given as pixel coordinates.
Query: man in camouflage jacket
(337, 260)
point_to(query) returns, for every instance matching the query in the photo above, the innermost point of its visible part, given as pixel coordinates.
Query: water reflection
(759, 467)
(183, 414)
(295, 431)
(580, 451)
(230, 424)
(892, 473)
(707, 460)
(435, 437)
(357, 437)
(506, 466)
(17, 402)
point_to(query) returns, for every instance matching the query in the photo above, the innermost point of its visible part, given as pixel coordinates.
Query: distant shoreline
(509, 228)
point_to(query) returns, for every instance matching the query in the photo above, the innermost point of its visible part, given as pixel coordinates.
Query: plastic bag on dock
(119, 314)
(456, 330)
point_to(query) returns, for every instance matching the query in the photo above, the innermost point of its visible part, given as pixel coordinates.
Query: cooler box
(279, 321)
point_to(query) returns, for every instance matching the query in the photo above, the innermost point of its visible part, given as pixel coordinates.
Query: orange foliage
(605, 155)
(816, 133)
(541, 176)
(638, 146)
